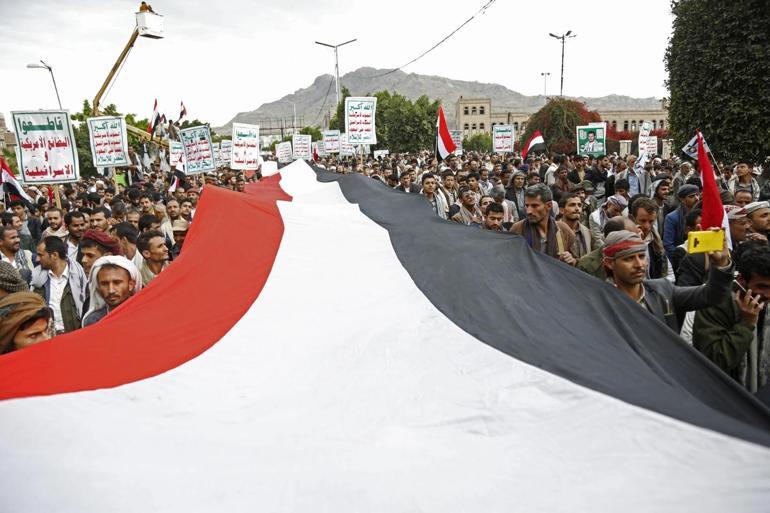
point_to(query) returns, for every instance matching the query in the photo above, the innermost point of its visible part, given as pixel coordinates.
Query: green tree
(557, 121)
(478, 142)
(338, 120)
(313, 132)
(718, 63)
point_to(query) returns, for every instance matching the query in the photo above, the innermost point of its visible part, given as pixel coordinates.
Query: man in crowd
(114, 280)
(593, 262)
(674, 228)
(30, 225)
(742, 197)
(743, 181)
(661, 187)
(468, 212)
(759, 215)
(100, 219)
(61, 282)
(126, 235)
(95, 244)
(11, 252)
(405, 184)
(180, 228)
(614, 206)
(644, 212)
(571, 208)
(493, 220)
(541, 231)
(152, 246)
(76, 226)
(435, 200)
(733, 334)
(625, 260)
(55, 220)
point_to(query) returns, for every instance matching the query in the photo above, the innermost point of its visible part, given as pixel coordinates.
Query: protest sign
(225, 152)
(109, 143)
(47, 153)
(217, 157)
(319, 150)
(198, 150)
(457, 138)
(502, 138)
(283, 152)
(331, 141)
(303, 147)
(346, 149)
(245, 146)
(175, 153)
(668, 147)
(691, 148)
(645, 128)
(648, 144)
(591, 139)
(360, 115)
(378, 154)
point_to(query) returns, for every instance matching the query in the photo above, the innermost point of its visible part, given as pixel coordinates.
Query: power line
(331, 82)
(480, 11)
(115, 79)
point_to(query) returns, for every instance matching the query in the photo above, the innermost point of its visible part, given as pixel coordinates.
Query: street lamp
(545, 76)
(43, 65)
(336, 63)
(563, 38)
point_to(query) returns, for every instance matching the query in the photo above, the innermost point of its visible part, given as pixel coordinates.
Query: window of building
(481, 126)
(654, 124)
(465, 110)
(481, 110)
(473, 110)
(465, 126)
(523, 126)
(614, 124)
(473, 126)
(625, 126)
(660, 124)
(516, 125)
(633, 126)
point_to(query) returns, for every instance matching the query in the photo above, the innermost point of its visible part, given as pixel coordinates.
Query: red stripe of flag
(712, 215)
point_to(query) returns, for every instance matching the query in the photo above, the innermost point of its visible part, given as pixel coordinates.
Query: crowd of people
(618, 219)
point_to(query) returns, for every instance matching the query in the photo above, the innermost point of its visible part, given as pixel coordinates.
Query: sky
(229, 56)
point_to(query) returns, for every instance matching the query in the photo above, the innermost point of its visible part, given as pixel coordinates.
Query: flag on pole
(9, 182)
(444, 143)
(691, 148)
(534, 143)
(713, 213)
(153, 119)
(174, 184)
(182, 113)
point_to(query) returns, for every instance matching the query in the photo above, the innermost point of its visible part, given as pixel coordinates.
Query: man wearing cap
(674, 226)
(95, 244)
(614, 206)
(180, 228)
(10, 280)
(759, 215)
(625, 260)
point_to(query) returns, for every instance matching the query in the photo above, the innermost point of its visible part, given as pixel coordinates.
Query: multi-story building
(7, 137)
(475, 116)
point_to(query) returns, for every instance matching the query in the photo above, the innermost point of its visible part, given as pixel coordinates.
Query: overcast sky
(233, 55)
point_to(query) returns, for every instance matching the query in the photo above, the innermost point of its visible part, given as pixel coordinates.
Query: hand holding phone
(749, 305)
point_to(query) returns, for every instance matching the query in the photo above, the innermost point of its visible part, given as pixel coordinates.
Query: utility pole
(563, 38)
(545, 85)
(43, 65)
(336, 63)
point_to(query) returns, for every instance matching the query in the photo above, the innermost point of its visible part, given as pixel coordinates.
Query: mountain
(319, 98)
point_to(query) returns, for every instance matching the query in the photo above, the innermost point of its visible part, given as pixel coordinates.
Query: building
(7, 137)
(475, 116)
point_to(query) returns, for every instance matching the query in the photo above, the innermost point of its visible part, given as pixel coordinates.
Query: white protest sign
(648, 144)
(109, 143)
(303, 147)
(457, 138)
(225, 152)
(381, 153)
(502, 138)
(217, 157)
(47, 152)
(245, 151)
(331, 141)
(645, 128)
(346, 149)
(360, 120)
(175, 153)
(198, 150)
(318, 149)
(283, 152)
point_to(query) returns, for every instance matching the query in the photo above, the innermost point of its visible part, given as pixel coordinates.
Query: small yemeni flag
(174, 184)
(12, 186)
(182, 112)
(534, 143)
(713, 213)
(153, 119)
(444, 143)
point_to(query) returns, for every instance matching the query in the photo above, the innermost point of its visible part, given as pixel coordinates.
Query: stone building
(475, 116)
(7, 137)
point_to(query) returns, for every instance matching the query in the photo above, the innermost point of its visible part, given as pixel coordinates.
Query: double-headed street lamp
(336, 63)
(545, 76)
(43, 65)
(563, 38)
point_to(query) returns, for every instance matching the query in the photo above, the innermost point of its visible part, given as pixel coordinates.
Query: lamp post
(43, 65)
(563, 38)
(545, 76)
(336, 63)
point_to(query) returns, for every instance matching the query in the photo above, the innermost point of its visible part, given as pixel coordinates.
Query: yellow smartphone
(703, 242)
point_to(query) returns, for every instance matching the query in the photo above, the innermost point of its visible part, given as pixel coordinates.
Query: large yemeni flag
(536, 142)
(444, 143)
(336, 350)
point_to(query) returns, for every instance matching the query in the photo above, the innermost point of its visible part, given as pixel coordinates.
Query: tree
(313, 132)
(718, 63)
(479, 142)
(558, 121)
(338, 120)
